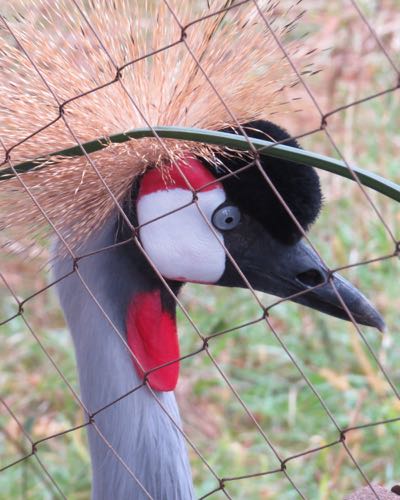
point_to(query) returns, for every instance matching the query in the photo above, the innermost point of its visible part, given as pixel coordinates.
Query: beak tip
(382, 326)
(376, 321)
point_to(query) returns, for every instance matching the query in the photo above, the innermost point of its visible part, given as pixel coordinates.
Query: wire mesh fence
(312, 410)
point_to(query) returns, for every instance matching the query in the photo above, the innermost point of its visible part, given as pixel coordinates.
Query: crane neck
(142, 430)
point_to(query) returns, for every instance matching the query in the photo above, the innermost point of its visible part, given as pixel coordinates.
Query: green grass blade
(266, 148)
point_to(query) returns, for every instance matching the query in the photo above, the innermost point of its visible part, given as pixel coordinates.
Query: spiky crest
(236, 51)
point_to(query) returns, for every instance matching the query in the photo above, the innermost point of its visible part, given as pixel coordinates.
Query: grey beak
(285, 270)
(336, 296)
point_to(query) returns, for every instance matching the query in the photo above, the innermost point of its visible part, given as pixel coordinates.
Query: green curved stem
(265, 148)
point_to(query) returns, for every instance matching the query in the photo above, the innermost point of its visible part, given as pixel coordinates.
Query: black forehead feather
(298, 185)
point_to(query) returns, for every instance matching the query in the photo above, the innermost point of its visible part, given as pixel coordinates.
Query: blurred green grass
(329, 351)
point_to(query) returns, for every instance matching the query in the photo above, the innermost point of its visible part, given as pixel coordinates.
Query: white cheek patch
(182, 245)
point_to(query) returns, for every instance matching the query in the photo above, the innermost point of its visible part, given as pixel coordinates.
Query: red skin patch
(153, 339)
(151, 330)
(194, 171)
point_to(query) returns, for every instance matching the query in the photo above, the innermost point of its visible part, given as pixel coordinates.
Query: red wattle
(153, 339)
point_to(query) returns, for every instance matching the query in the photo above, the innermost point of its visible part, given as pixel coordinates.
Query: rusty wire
(204, 338)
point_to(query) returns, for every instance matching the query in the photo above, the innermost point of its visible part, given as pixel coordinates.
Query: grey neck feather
(136, 427)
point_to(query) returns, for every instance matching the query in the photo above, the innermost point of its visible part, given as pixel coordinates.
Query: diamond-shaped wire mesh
(276, 401)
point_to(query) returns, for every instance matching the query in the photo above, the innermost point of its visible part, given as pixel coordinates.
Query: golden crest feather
(144, 65)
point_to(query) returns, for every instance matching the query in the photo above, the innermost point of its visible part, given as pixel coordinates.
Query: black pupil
(229, 220)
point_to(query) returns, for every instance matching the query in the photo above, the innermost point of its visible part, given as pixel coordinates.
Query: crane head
(234, 226)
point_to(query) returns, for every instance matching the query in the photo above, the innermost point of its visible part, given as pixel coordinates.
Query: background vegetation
(330, 351)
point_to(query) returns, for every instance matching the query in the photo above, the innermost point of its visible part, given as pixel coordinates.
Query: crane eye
(226, 217)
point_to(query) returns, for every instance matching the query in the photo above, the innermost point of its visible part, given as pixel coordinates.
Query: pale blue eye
(226, 217)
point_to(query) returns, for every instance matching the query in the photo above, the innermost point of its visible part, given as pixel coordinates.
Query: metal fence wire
(343, 426)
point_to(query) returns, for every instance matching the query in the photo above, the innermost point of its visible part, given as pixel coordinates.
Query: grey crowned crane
(237, 212)
(240, 212)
